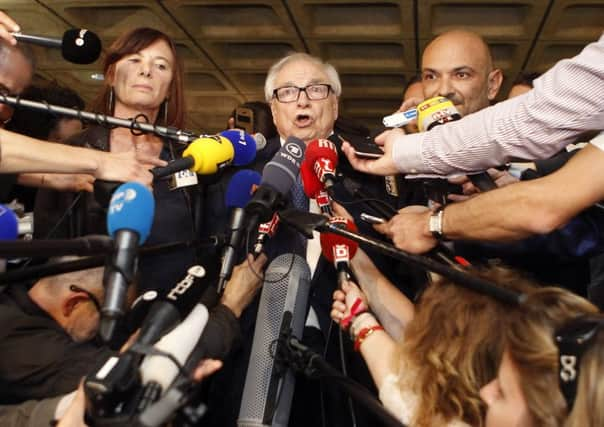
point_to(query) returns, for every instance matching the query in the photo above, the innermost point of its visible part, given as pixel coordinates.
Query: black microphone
(278, 177)
(268, 390)
(78, 45)
(129, 221)
(169, 309)
(238, 194)
(116, 378)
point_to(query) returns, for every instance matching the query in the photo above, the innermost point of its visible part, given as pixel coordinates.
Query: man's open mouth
(303, 120)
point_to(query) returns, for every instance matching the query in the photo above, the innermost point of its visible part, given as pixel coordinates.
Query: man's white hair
(330, 71)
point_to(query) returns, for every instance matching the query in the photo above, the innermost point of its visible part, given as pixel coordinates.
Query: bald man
(458, 65)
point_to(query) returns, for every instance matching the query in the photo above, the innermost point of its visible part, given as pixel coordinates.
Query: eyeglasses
(93, 298)
(314, 92)
(572, 340)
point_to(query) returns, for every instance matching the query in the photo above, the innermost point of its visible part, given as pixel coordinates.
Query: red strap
(364, 333)
(354, 311)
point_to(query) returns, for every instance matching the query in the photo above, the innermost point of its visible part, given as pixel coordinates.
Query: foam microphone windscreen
(131, 208)
(331, 240)
(268, 391)
(281, 172)
(436, 111)
(9, 225)
(241, 187)
(310, 180)
(80, 46)
(321, 149)
(179, 342)
(210, 153)
(244, 145)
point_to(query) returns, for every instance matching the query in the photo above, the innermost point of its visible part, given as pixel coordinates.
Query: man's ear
(494, 82)
(72, 301)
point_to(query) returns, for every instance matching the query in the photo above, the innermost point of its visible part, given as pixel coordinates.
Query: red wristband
(364, 333)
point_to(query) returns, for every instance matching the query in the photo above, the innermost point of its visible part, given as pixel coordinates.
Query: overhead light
(97, 76)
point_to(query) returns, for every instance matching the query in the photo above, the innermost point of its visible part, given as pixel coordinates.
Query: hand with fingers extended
(127, 166)
(348, 302)
(383, 165)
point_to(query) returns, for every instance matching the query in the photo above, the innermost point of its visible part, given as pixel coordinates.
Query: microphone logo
(325, 143)
(195, 272)
(80, 40)
(294, 150)
(341, 253)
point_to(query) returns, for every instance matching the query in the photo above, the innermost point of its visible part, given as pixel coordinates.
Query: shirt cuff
(598, 141)
(407, 154)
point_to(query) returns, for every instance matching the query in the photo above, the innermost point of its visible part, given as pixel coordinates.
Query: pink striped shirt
(566, 101)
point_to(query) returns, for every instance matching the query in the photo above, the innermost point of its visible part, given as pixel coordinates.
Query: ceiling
(228, 45)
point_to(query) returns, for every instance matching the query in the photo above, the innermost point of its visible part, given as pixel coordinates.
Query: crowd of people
(431, 350)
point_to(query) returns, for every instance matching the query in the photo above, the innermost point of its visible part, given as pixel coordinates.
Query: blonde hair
(530, 343)
(588, 409)
(453, 347)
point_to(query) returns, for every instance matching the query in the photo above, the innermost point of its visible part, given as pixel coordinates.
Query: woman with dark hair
(143, 80)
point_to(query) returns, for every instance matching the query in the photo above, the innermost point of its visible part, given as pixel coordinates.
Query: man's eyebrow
(311, 82)
(463, 68)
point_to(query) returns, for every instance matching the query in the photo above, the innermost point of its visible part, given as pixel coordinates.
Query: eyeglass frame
(573, 339)
(91, 296)
(303, 89)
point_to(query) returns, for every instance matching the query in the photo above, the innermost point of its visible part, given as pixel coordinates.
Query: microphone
(322, 157)
(265, 230)
(129, 220)
(204, 156)
(310, 181)
(9, 229)
(78, 45)
(173, 306)
(338, 249)
(157, 370)
(9, 224)
(244, 144)
(238, 194)
(278, 177)
(440, 110)
(313, 188)
(268, 390)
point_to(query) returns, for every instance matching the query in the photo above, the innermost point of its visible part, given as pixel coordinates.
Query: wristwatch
(435, 224)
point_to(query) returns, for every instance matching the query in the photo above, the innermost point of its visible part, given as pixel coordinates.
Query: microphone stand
(36, 272)
(306, 222)
(168, 132)
(301, 359)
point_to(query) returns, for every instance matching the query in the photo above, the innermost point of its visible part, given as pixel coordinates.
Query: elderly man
(303, 93)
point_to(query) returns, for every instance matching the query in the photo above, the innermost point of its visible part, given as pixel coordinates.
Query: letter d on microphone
(267, 394)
